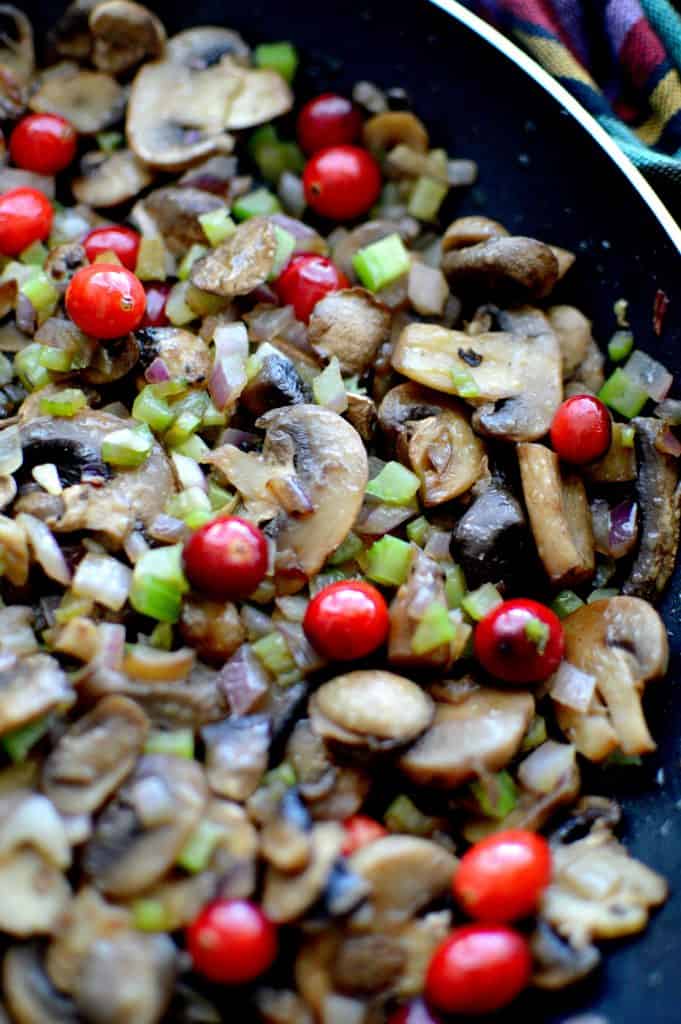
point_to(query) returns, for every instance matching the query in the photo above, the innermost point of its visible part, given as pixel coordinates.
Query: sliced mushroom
(31, 996)
(112, 360)
(618, 465)
(589, 375)
(557, 962)
(140, 835)
(464, 232)
(559, 516)
(419, 938)
(32, 688)
(489, 541)
(213, 628)
(276, 383)
(350, 324)
(240, 264)
(367, 964)
(573, 331)
(659, 499)
(124, 34)
(60, 266)
(405, 873)
(87, 918)
(14, 548)
(281, 1006)
(127, 979)
(480, 733)
(424, 587)
(286, 897)
(513, 268)
(446, 455)
(90, 100)
(17, 54)
(370, 709)
(261, 96)
(621, 641)
(14, 177)
(186, 355)
(384, 131)
(108, 179)
(361, 413)
(236, 755)
(598, 891)
(94, 756)
(189, 703)
(285, 839)
(175, 213)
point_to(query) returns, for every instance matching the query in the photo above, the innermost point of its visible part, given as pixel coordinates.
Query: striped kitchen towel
(621, 59)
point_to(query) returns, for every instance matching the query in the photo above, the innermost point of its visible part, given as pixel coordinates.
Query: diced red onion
(11, 455)
(623, 528)
(241, 439)
(110, 644)
(668, 443)
(660, 305)
(243, 681)
(571, 687)
(651, 376)
(437, 545)
(188, 471)
(543, 770)
(45, 549)
(228, 378)
(375, 520)
(600, 521)
(157, 372)
(302, 652)
(256, 622)
(26, 315)
(103, 579)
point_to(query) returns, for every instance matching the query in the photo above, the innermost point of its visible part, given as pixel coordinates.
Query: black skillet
(542, 173)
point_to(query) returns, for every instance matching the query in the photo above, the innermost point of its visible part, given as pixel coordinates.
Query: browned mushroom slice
(30, 994)
(91, 760)
(622, 642)
(30, 689)
(366, 964)
(374, 710)
(236, 755)
(240, 264)
(175, 213)
(285, 896)
(262, 95)
(558, 963)
(213, 628)
(90, 100)
(598, 891)
(108, 179)
(124, 34)
(87, 919)
(657, 486)
(350, 324)
(61, 264)
(384, 131)
(489, 541)
(17, 54)
(425, 586)
(589, 375)
(573, 331)
(405, 873)
(14, 549)
(502, 268)
(140, 835)
(618, 465)
(361, 413)
(466, 231)
(481, 732)
(185, 354)
(281, 1006)
(559, 516)
(446, 456)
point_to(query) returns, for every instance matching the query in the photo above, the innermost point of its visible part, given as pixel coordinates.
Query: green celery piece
(217, 225)
(109, 142)
(347, 550)
(35, 255)
(286, 243)
(602, 594)
(260, 203)
(455, 587)
(565, 603)
(281, 57)
(535, 735)
(162, 637)
(627, 436)
(186, 424)
(381, 263)
(328, 388)
(58, 359)
(149, 408)
(284, 773)
(404, 816)
(179, 742)
(622, 394)
(28, 368)
(128, 447)
(325, 579)
(620, 345)
(477, 603)
(196, 854)
(273, 651)
(388, 561)
(434, 629)
(537, 632)
(178, 312)
(63, 403)
(418, 530)
(194, 447)
(151, 259)
(218, 496)
(498, 797)
(621, 760)
(194, 253)
(18, 743)
(149, 915)
(158, 583)
(465, 384)
(426, 198)
(394, 485)
(41, 293)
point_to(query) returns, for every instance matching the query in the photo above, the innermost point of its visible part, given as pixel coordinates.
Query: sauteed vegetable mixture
(329, 543)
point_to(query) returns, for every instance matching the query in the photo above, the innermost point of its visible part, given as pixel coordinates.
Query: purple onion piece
(623, 528)
(157, 372)
(243, 680)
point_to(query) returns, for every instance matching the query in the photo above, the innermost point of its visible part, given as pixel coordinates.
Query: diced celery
(455, 587)
(109, 142)
(478, 602)
(217, 225)
(256, 204)
(177, 310)
(382, 262)
(18, 743)
(41, 293)
(35, 255)
(273, 158)
(535, 735)
(192, 506)
(620, 345)
(496, 795)
(388, 561)
(151, 259)
(182, 428)
(169, 388)
(328, 388)
(621, 760)
(538, 633)
(28, 368)
(149, 915)
(128, 447)
(158, 583)
(213, 417)
(6, 369)
(150, 409)
(426, 198)
(179, 742)
(622, 394)
(194, 447)
(161, 637)
(418, 530)
(72, 606)
(601, 594)
(281, 57)
(274, 653)
(284, 773)
(58, 359)
(627, 436)
(194, 253)
(395, 484)
(465, 384)
(63, 403)
(286, 243)
(218, 496)
(199, 848)
(434, 629)
(404, 816)
(565, 603)
(348, 549)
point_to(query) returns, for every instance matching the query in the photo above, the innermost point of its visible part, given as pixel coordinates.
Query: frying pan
(546, 170)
